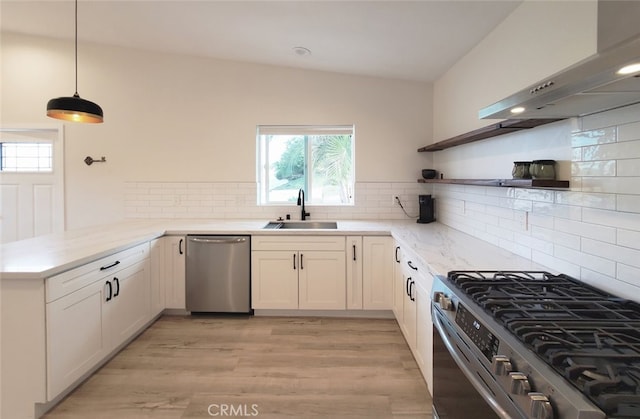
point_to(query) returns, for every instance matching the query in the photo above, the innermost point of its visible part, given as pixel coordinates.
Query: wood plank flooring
(267, 367)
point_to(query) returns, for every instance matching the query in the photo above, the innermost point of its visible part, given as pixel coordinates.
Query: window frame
(305, 131)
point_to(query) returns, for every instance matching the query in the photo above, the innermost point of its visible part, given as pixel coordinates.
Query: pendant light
(74, 108)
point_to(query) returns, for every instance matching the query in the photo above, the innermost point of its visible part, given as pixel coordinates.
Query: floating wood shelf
(514, 183)
(494, 130)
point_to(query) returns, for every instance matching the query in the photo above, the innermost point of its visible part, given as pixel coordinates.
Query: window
(318, 159)
(26, 157)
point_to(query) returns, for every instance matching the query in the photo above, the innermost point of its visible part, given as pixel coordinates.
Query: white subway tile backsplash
(628, 167)
(629, 238)
(581, 229)
(629, 221)
(586, 260)
(592, 231)
(612, 252)
(629, 132)
(596, 136)
(237, 200)
(594, 168)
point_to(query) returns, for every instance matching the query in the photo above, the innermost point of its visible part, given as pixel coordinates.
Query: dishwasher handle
(218, 240)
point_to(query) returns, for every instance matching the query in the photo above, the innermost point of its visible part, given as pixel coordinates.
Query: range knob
(444, 301)
(540, 407)
(519, 384)
(501, 365)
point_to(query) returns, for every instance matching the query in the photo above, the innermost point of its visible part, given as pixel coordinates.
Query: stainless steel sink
(301, 225)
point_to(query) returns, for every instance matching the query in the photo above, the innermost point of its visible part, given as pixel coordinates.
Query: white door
(31, 182)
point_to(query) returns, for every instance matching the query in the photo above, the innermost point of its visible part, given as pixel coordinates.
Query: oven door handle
(477, 383)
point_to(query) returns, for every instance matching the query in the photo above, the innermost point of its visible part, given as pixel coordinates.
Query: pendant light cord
(76, 40)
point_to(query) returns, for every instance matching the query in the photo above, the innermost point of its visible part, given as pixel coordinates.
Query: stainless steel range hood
(592, 85)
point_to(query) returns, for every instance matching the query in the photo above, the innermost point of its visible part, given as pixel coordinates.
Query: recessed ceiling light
(629, 69)
(517, 110)
(301, 51)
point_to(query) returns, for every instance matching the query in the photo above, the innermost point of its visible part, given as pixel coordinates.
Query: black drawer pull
(354, 252)
(110, 291)
(180, 246)
(294, 261)
(397, 248)
(411, 266)
(104, 268)
(117, 281)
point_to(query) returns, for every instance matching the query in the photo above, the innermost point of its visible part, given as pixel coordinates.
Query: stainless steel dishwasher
(218, 274)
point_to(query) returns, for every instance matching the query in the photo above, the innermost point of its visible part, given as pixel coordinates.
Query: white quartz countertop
(441, 248)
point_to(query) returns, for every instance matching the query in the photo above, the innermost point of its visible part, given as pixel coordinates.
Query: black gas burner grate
(589, 337)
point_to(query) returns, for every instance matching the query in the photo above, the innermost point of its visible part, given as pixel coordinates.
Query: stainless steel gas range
(514, 344)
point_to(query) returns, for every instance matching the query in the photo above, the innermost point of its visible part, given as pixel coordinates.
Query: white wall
(592, 231)
(538, 39)
(186, 119)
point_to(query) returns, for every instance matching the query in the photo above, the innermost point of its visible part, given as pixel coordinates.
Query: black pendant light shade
(74, 108)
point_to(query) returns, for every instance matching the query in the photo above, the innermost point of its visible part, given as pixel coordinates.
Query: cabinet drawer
(298, 243)
(67, 282)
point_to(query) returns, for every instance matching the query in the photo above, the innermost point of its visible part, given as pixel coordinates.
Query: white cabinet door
(377, 273)
(175, 272)
(409, 304)
(129, 307)
(156, 273)
(274, 279)
(354, 272)
(75, 342)
(322, 282)
(424, 331)
(398, 286)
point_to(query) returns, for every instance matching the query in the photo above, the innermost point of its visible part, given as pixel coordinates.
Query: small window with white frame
(26, 157)
(317, 159)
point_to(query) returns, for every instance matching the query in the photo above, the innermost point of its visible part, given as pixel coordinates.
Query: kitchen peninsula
(31, 268)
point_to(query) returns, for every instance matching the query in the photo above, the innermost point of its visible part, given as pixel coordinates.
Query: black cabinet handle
(104, 268)
(407, 286)
(117, 281)
(411, 266)
(301, 256)
(397, 249)
(110, 291)
(354, 252)
(294, 261)
(180, 247)
(411, 297)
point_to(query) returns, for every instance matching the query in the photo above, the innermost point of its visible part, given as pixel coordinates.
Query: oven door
(461, 384)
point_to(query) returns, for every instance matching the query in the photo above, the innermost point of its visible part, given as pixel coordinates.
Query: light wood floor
(266, 367)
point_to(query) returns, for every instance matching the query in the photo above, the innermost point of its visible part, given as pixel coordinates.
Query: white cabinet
(369, 272)
(424, 329)
(409, 313)
(274, 280)
(412, 308)
(293, 272)
(128, 308)
(75, 342)
(91, 310)
(156, 268)
(175, 272)
(354, 272)
(321, 280)
(398, 285)
(377, 273)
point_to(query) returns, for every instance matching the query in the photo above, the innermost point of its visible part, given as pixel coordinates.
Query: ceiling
(412, 40)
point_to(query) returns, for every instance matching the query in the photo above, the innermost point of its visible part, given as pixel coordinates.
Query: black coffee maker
(427, 209)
